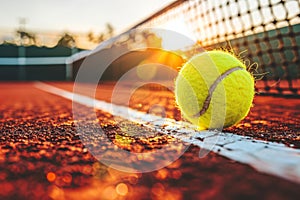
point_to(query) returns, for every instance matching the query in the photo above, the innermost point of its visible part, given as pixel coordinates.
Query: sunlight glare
(172, 42)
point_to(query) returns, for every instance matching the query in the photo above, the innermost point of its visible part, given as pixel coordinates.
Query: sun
(179, 35)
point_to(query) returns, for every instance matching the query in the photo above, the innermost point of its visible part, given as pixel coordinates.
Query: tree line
(26, 38)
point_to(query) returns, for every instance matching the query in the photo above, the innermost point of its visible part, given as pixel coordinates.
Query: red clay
(270, 118)
(42, 156)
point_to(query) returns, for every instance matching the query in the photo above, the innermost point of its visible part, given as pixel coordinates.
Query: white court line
(267, 157)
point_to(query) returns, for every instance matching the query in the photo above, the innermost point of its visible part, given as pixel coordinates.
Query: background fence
(26, 63)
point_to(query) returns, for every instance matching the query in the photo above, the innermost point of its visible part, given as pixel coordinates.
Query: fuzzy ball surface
(214, 90)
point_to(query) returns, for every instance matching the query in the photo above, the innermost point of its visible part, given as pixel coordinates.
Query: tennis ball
(214, 90)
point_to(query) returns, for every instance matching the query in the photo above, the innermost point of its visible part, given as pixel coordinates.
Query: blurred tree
(101, 38)
(67, 40)
(108, 33)
(140, 39)
(26, 38)
(152, 39)
(110, 30)
(91, 36)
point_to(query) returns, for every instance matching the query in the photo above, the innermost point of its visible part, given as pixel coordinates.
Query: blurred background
(48, 40)
(75, 23)
(37, 37)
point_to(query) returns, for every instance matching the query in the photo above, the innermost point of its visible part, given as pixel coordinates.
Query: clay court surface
(42, 156)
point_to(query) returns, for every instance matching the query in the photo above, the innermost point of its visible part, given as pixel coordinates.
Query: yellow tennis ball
(214, 90)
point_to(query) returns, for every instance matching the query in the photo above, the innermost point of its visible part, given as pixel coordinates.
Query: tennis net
(266, 32)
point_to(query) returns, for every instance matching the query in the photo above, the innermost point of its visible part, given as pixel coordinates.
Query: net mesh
(266, 31)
